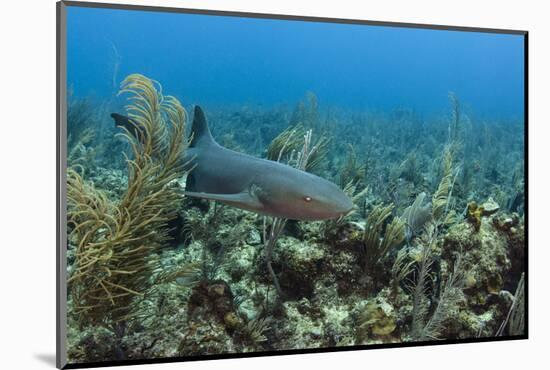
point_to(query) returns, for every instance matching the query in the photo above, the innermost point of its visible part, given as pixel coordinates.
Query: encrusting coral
(475, 213)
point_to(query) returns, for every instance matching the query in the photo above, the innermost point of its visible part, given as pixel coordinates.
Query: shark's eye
(307, 199)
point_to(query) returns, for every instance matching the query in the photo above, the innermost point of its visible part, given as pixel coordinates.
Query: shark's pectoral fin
(247, 200)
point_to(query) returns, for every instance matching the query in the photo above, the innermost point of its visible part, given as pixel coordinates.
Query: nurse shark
(254, 184)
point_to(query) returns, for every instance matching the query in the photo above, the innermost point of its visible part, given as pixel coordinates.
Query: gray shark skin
(258, 185)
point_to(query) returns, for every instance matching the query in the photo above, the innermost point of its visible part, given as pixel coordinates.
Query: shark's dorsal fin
(201, 132)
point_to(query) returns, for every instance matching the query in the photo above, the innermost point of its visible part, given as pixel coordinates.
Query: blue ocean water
(234, 61)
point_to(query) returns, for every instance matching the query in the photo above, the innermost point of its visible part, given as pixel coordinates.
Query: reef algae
(155, 274)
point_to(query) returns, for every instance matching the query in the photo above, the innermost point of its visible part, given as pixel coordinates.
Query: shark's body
(258, 185)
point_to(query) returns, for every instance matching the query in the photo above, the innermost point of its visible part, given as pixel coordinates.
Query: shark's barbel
(258, 185)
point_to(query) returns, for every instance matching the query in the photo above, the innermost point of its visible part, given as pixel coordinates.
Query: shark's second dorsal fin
(200, 131)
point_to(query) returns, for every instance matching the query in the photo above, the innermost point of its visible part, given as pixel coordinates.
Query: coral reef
(434, 248)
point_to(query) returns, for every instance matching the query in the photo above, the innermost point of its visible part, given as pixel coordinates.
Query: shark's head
(300, 195)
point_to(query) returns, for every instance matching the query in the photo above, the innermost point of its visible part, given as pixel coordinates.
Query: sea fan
(376, 244)
(417, 215)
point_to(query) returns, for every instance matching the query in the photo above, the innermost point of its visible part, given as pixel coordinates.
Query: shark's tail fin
(122, 121)
(201, 132)
(125, 122)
